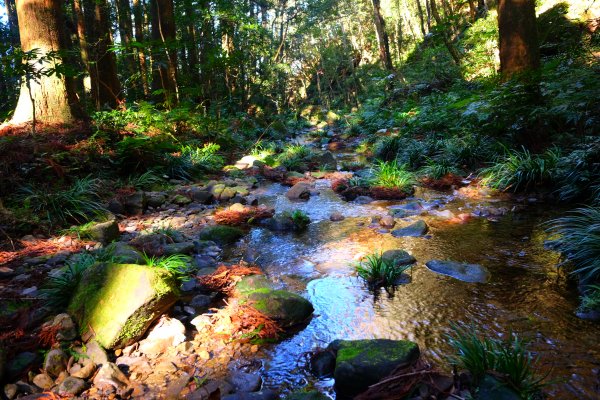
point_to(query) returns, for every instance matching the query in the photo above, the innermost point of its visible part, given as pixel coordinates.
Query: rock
(221, 234)
(66, 329)
(280, 223)
(55, 362)
(103, 232)
(416, 229)
(445, 214)
(286, 308)
(155, 199)
(245, 382)
(363, 200)
(115, 206)
(492, 389)
(71, 386)
(110, 376)
(398, 257)
(361, 363)
(95, 353)
(181, 200)
(123, 253)
(300, 191)
(410, 208)
(10, 391)
(464, 272)
(85, 372)
(43, 381)
(201, 262)
(312, 395)
(116, 303)
(322, 363)
(151, 244)
(6, 272)
(250, 283)
(135, 203)
(387, 221)
(168, 332)
(200, 301)
(266, 394)
(201, 195)
(237, 207)
(20, 364)
(247, 162)
(325, 161)
(178, 248)
(336, 216)
(176, 386)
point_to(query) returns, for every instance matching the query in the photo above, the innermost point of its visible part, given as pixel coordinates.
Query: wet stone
(464, 272)
(416, 229)
(71, 386)
(245, 382)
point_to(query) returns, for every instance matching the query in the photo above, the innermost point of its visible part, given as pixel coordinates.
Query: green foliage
(77, 203)
(509, 359)
(294, 157)
(389, 174)
(579, 240)
(388, 148)
(300, 219)
(377, 271)
(178, 265)
(191, 161)
(590, 301)
(520, 170)
(59, 288)
(578, 173)
(146, 181)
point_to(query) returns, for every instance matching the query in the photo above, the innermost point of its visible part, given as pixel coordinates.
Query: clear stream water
(525, 294)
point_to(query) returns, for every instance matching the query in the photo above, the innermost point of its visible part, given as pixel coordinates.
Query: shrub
(508, 359)
(177, 265)
(387, 148)
(377, 271)
(520, 170)
(57, 291)
(191, 161)
(590, 301)
(579, 240)
(78, 203)
(294, 157)
(391, 175)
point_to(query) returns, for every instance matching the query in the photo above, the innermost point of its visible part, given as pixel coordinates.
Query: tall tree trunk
(164, 72)
(421, 17)
(472, 10)
(445, 35)
(138, 18)
(382, 36)
(519, 49)
(126, 33)
(13, 22)
(49, 99)
(83, 45)
(191, 43)
(206, 47)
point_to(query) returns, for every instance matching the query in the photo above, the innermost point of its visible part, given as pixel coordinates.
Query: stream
(526, 294)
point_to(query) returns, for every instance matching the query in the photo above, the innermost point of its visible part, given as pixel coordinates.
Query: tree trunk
(13, 22)
(138, 19)
(164, 72)
(206, 47)
(519, 50)
(48, 99)
(421, 17)
(126, 33)
(445, 36)
(382, 36)
(191, 43)
(83, 45)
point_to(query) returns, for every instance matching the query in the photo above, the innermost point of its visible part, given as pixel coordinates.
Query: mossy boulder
(116, 303)
(221, 234)
(362, 363)
(250, 283)
(285, 308)
(103, 232)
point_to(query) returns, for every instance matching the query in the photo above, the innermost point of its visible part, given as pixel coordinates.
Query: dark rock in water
(419, 228)
(280, 223)
(221, 234)
(492, 389)
(20, 363)
(336, 216)
(245, 382)
(265, 394)
(363, 200)
(322, 363)
(464, 272)
(312, 395)
(398, 257)
(387, 221)
(286, 308)
(362, 363)
(300, 191)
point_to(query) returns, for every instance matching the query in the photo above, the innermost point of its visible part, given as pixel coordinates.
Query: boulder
(124, 253)
(387, 221)
(43, 381)
(201, 195)
(103, 232)
(168, 332)
(65, 327)
(464, 272)
(285, 308)
(55, 362)
(135, 203)
(95, 354)
(181, 200)
(110, 376)
(221, 234)
(156, 199)
(250, 283)
(117, 303)
(280, 223)
(361, 363)
(245, 382)
(398, 257)
(71, 386)
(300, 191)
(325, 161)
(416, 229)
(178, 248)
(322, 363)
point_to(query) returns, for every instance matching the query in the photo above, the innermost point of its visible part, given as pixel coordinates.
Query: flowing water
(526, 294)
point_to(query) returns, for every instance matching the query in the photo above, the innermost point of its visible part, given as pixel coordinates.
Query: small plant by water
(59, 288)
(178, 265)
(300, 219)
(389, 174)
(508, 360)
(378, 272)
(590, 301)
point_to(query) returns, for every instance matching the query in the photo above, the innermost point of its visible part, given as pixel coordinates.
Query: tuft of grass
(57, 291)
(77, 203)
(389, 174)
(300, 219)
(579, 240)
(146, 181)
(191, 161)
(520, 170)
(590, 301)
(377, 272)
(294, 156)
(438, 167)
(177, 265)
(507, 359)
(388, 148)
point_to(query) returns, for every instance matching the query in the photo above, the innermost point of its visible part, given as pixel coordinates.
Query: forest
(300, 199)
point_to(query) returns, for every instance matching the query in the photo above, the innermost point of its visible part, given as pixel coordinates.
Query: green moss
(221, 234)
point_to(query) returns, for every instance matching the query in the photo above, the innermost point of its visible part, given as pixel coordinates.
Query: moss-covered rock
(286, 308)
(221, 234)
(361, 363)
(116, 303)
(103, 232)
(251, 283)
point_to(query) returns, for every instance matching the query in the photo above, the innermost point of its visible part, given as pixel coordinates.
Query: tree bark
(519, 49)
(48, 99)
(13, 22)
(138, 19)
(382, 36)
(164, 74)
(191, 43)
(126, 33)
(421, 17)
(445, 36)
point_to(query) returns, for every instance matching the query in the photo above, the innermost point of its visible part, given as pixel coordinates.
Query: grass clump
(520, 170)
(191, 161)
(300, 219)
(377, 271)
(590, 301)
(57, 291)
(77, 203)
(178, 265)
(509, 360)
(294, 157)
(389, 174)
